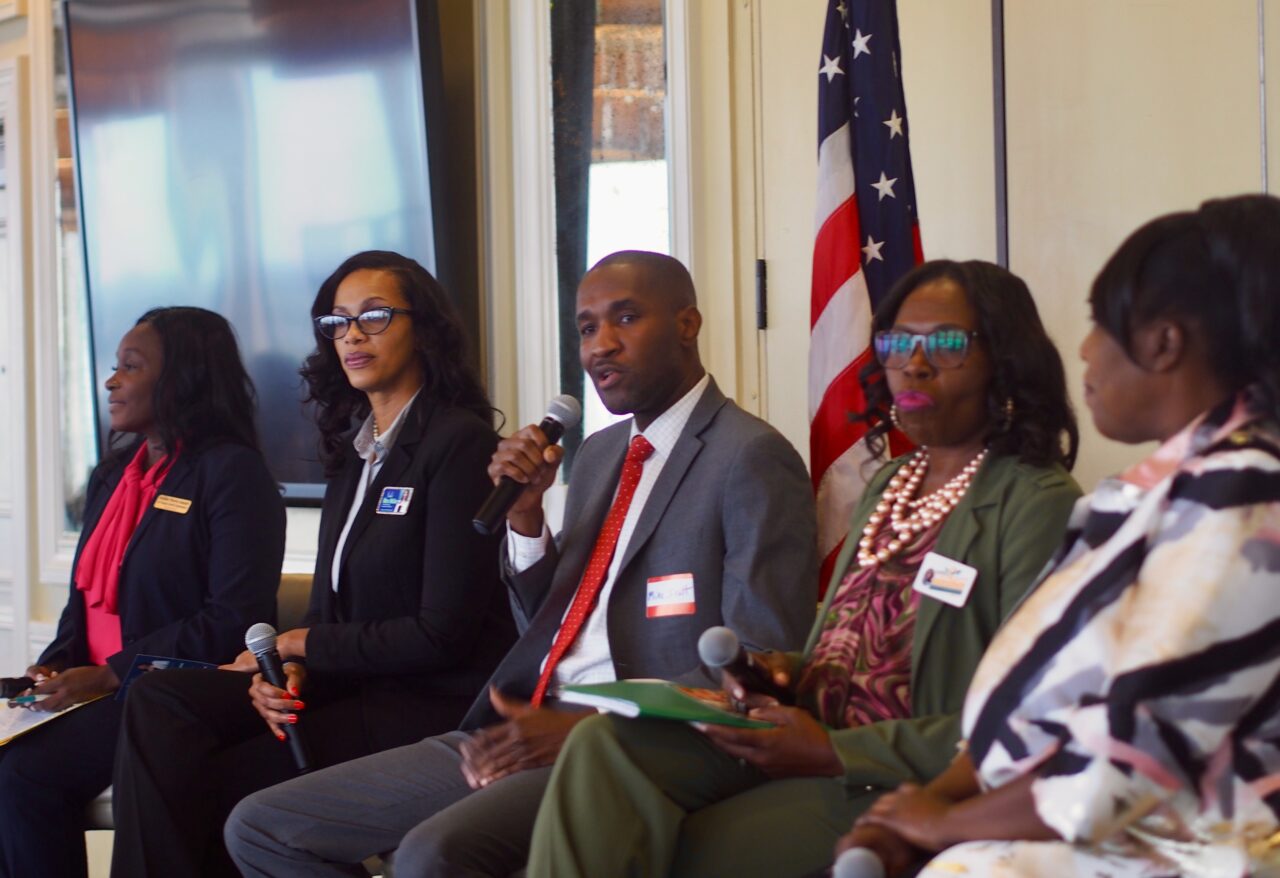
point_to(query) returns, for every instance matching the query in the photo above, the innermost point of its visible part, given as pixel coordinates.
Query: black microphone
(718, 647)
(858, 863)
(563, 413)
(12, 687)
(261, 641)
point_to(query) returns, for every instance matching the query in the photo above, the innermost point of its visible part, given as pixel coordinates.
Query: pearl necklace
(924, 512)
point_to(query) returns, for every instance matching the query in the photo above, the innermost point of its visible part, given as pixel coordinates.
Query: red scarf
(98, 573)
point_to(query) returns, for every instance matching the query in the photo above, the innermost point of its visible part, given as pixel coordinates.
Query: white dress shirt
(589, 660)
(373, 453)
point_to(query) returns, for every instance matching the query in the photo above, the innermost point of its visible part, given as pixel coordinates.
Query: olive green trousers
(648, 798)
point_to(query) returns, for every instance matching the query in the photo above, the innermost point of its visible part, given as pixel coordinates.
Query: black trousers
(47, 778)
(191, 746)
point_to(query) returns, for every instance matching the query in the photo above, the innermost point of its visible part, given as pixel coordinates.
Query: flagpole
(1001, 141)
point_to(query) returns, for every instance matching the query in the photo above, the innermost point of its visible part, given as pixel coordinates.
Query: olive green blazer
(1007, 526)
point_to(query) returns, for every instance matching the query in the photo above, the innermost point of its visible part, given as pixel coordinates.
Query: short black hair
(666, 275)
(1217, 269)
(438, 341)
(203, 394)
(1026, 366)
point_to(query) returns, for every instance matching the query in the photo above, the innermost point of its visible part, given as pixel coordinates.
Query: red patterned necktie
(598, 567)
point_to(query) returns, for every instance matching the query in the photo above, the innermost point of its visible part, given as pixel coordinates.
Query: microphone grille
(565, 409)
(717, 646)
(260, 637)
(858, 863)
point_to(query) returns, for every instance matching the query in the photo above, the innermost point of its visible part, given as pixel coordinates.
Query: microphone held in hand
(858, 863)
(563, 413)
(260, 640)
(718, 647)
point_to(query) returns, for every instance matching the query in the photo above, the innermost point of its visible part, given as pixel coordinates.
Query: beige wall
(1118, 110)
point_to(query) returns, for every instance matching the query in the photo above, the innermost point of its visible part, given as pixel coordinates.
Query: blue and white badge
(394, 501)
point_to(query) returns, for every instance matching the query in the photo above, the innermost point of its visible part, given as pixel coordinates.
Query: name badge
(670, 596)
(948, 581)
(179, 505)
(394, 501)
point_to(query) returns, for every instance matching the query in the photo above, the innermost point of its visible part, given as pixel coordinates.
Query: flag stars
(871, 252)
(843, 9)
(894, 124)
(855, 108)
(860, 43)
(831, 67)
(885, 186)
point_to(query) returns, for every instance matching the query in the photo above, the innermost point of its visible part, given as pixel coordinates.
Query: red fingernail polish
(298, 705)
(293, 718)
(280, 735)
(293, 690)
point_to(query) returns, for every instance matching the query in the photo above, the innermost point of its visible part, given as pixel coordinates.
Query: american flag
(868, 236)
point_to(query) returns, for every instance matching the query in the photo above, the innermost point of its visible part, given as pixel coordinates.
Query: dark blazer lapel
(181, 471)
(344, 491)
(595, 508)
(683, 454)
(397, 463)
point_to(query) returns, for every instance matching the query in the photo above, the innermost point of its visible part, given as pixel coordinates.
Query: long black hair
(438, 342)
(1218, 268)
(203, 394)
(1026, 367)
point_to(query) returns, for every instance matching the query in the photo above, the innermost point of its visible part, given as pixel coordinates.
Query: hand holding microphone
(719, 648)
(261, 641)
(523, 467)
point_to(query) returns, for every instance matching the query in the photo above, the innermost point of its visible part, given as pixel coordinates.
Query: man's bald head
(661, 275)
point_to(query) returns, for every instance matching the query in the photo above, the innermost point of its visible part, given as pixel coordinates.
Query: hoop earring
(893, 416)
(1007, 424)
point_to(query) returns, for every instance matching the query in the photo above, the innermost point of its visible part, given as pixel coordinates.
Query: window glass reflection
(609, 97)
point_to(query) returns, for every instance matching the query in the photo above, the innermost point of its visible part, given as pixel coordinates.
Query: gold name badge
(172, 504)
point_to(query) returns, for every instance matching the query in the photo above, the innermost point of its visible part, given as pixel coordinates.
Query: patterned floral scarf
(860, 669)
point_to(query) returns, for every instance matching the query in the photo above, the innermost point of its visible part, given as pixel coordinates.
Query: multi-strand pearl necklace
(907, 514)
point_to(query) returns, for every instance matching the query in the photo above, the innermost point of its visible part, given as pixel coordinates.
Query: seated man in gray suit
(691, 514)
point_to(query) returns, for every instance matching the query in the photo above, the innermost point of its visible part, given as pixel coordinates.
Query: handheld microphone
(563, 413)
(858, 863)
(718, 647)
(261, 641)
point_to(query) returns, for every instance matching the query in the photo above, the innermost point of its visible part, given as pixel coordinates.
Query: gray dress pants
(412, 800)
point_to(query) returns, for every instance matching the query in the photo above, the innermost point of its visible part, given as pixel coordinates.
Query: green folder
(656, 699)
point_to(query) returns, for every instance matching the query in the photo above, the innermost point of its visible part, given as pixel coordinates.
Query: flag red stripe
(831, 432)
(835, 256)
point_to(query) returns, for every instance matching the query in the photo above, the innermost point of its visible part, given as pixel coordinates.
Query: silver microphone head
(718, 646)
(565, 409)
(858, 863)
(260, 638)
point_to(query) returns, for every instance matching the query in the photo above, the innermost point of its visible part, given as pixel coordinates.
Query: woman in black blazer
(181, 548)
(392, 651)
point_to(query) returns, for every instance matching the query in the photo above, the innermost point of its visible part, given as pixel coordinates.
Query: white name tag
(670, 596)
(394, 501)
(946, 580)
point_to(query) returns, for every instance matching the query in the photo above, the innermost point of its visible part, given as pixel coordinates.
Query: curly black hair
(438, 341)
(1026, 367)
(1217, 268)
(203, 394)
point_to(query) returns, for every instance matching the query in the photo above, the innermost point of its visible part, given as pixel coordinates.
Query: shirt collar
(364, 444)
(665, 430)
(1207, 429)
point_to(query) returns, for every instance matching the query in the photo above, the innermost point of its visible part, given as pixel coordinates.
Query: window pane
(79, 443)
(609, 98)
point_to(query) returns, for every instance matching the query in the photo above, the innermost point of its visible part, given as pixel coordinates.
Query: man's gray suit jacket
(733, 507)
